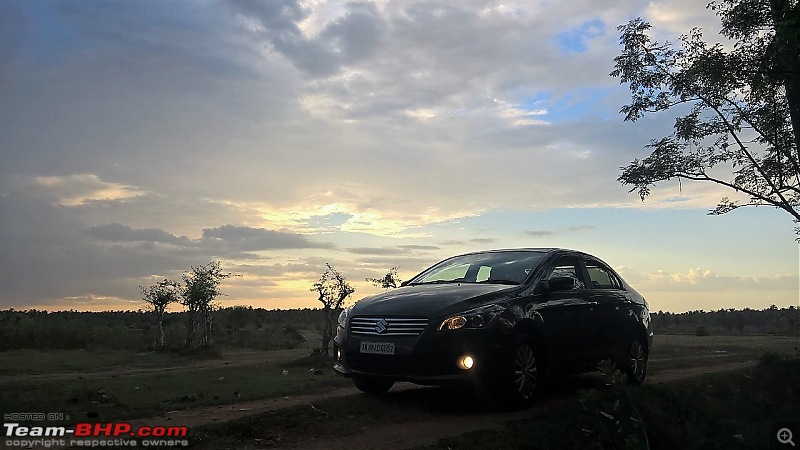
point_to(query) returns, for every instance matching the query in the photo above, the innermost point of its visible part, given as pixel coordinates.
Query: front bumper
(430, 358)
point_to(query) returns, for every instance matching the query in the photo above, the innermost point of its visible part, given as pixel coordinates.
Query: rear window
(602, 278)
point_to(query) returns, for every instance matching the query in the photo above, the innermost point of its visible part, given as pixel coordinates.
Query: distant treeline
(729, 321)
(136, 330)
(268, 330)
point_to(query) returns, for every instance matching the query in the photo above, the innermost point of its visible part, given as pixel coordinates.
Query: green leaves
(743, 104)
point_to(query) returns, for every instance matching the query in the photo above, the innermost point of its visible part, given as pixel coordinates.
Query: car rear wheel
(636, 363)
(519, 381)
(373, 385)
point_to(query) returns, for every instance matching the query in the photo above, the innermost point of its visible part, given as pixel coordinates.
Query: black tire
(635, 363)
(519, 380)
(373, 385)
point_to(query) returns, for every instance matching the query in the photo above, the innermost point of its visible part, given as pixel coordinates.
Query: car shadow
(468, 400)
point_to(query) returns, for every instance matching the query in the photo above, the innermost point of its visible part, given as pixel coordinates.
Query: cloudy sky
(140, 138)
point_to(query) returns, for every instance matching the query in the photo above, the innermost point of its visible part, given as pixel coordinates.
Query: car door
(566, 315)
(611, 311)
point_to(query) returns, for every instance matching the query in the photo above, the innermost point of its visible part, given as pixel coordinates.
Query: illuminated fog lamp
(466, 362)
(338, 354)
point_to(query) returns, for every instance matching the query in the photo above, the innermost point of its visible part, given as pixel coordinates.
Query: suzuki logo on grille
(381, 326)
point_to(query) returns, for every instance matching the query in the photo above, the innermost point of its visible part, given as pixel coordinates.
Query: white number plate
(378, 348)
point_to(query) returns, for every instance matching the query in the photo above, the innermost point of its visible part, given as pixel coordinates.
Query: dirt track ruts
(403, 435)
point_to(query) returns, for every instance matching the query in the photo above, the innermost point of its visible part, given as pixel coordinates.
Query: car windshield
(492, 267)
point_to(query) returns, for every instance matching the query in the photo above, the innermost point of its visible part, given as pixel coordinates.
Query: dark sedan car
(504, 319)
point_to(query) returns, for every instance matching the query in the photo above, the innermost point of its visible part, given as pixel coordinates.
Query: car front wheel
(519, 380)
(373, 385)
(636, 363)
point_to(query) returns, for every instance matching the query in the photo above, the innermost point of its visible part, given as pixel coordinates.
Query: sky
(138, 139)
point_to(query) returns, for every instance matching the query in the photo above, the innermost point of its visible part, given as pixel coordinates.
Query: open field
(113, 384)
(247, 401)
(680, 351)
(712, 407)
(692, 392)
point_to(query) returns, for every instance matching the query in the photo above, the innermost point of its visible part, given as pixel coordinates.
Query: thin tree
(388, 281)
(200, 288)
(158, 297)
(332, 290)
(740, 126)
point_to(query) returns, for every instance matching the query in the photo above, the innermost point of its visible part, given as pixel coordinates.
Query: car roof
(545, 250)
(524, 249)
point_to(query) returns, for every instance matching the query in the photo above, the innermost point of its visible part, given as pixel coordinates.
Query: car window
(483, 273)
(569, 269)
(601, 277)
(454, 272)
(511, 267)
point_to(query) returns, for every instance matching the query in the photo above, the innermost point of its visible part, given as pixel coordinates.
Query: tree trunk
(786, 19)
(160, 332)
(207, 323)
(327, 332)
(191, 328)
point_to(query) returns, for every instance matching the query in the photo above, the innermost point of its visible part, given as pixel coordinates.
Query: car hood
(428, 300)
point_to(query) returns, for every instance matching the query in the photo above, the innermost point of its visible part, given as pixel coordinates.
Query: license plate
(378, 348)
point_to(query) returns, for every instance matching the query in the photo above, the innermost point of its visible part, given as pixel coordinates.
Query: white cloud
(698, 279)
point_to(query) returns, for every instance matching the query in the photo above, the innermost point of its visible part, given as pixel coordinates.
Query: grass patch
(723, 411)
(328, 419)
(684, 351)
(36, 362)
(142, 395)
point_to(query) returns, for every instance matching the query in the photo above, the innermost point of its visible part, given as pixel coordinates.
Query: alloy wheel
(637, 361)
(525, 371)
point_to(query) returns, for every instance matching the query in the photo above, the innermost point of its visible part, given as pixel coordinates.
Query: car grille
(387, 326)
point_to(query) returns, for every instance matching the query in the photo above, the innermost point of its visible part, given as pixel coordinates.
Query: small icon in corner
(785, 436)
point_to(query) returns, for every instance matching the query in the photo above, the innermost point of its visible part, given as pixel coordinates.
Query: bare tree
(201, 287)
(388, 281)
(332, 289)
(158, 297)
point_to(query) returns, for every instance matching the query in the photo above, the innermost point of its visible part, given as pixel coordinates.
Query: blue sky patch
(48, 37)
(574, 105)
(574, 40)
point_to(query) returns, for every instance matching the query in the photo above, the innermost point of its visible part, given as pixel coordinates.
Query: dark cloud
(50, 255)
(347, 40)
(229, 239)
(120, 233)
(483, 240)
(419, 247)
(542, 233)
(453, 243)
(404, 263)
(399, 250)
(375, 251)
(254, 239)
(47, 256)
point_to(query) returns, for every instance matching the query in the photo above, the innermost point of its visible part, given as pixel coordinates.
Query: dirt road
(411, 434)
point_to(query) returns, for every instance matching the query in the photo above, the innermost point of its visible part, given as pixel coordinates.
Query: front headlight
(472, 319)
(344, 316)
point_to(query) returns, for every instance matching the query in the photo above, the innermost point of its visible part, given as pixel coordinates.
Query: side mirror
(556, 284)
(404, 283)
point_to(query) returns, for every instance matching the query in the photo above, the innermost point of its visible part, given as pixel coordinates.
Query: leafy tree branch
(740, 107)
